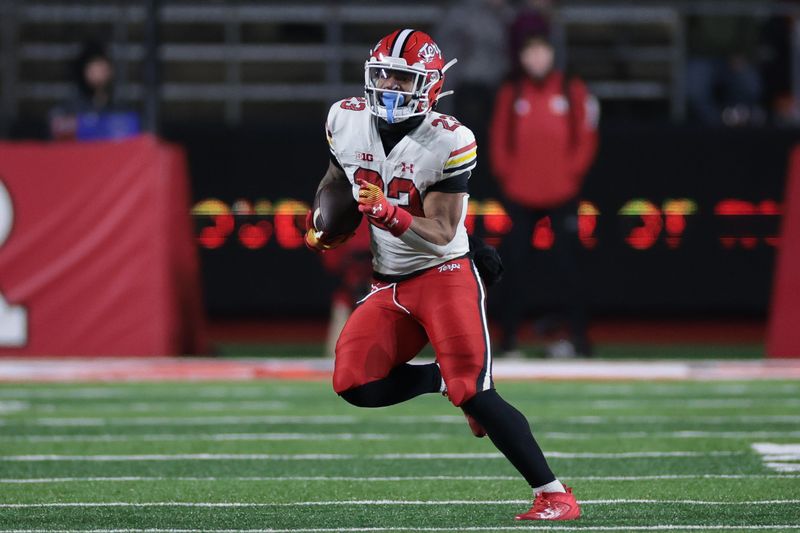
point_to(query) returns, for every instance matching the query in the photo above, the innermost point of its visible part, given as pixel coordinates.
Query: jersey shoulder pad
(354, 103)
(345, 107)
(339, 114)
(463, 151)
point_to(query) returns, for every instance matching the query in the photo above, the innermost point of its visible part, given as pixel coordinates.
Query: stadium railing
(215, 54)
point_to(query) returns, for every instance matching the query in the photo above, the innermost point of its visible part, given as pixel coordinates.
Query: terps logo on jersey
(428, 52)
(363, 156)
(449, 267)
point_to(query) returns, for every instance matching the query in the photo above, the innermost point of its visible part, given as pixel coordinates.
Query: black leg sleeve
(403, 383)
(511, 434)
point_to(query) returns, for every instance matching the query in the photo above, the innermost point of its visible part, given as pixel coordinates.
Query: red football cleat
(553, 506)
(476, 428)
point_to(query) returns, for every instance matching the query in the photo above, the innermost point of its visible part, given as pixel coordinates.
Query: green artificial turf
(286, 456)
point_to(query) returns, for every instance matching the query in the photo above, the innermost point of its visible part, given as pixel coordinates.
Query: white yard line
(660, 419)
(390, 478)
(13, 406)
(768, 448)
(234, 420)
(213, 505)
(385, 436)
(347, 419)
(783, 467)
(135, 393)
(191, 420)
(537, 527)
(224, 437)
(779, 457)
(161, 406)
(687, 434)
(696, 403)
(344, 457)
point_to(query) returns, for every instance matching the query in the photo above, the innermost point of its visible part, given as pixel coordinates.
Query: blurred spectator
(722, 82)
(351, 264)
(92, 112)
(543, 141)
(475, 32)
(776, 69)
(533, 18)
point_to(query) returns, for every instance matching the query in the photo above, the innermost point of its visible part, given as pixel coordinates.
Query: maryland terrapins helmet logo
(404, 75)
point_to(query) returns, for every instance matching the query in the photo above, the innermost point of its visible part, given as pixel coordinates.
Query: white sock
(553, 486)
(443, 386)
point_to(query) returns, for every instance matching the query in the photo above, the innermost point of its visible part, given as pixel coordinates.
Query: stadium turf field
(291, 456)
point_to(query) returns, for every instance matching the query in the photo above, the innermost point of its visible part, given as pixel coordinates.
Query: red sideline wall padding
(783, 336)
(96, 250)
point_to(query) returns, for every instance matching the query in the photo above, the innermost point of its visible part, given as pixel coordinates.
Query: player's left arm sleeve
(455, 184)
(463, 155)
(586, 117)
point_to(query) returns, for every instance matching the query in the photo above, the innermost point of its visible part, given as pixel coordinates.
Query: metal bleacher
(232, 61)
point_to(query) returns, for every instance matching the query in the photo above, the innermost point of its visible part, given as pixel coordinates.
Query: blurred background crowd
(632, 154)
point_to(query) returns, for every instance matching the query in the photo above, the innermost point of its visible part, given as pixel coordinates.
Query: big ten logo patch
(363, 156)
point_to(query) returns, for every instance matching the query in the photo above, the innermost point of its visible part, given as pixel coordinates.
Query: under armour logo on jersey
(449, 267)
(408, 167)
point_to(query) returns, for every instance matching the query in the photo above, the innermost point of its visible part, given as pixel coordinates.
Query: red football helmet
(404, 75)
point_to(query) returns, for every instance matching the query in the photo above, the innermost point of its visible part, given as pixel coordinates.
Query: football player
(408, 167)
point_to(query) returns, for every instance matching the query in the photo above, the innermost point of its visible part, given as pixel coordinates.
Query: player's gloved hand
(317, 241)
(380, 212)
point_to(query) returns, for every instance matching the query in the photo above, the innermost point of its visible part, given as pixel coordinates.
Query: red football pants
(446, 305)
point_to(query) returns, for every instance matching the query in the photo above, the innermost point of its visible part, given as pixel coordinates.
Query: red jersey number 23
(401, 189)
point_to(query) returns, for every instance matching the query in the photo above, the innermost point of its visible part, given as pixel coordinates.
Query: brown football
(335, 211)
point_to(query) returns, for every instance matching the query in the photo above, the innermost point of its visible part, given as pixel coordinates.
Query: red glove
(317, 241)
(380, 212)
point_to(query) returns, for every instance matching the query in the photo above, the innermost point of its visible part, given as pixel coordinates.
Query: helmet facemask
(395, 91)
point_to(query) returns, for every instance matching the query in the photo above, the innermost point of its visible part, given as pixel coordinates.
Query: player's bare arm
(429, 234)
(442, 216)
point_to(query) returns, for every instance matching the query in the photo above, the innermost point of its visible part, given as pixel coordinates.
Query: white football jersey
(438, 149)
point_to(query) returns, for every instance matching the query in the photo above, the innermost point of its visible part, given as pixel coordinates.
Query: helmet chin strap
(392, 101)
